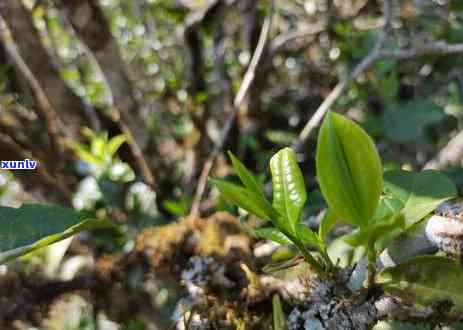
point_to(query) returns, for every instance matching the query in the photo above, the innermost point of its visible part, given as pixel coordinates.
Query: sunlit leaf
(327, 223)
(425, 280)
(278, 266)
(246, 177)
(388, 206)
(98, 145)
(377, 230)
(114, 144)
(308, 236)
(248, 201)
(279, 322)
(283, 253)
(418, 193)
(273, 234)
(289, 194)
(344, 254)
(348, 170)
(83, 153)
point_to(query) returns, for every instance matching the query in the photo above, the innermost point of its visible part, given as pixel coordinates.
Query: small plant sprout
(100, 156)
(378, 206)
(283, 215)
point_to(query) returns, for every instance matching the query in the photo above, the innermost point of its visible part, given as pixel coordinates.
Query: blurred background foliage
(122, 103)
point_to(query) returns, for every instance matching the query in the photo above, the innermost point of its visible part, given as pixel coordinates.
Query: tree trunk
(69, 106)
(89, 23)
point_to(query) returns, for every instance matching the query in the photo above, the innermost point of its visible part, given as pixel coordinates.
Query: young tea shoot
(377, 205)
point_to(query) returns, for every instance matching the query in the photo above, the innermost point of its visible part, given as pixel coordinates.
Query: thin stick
(140, 160)
(450, 154)
(244, 88)
(432, 48)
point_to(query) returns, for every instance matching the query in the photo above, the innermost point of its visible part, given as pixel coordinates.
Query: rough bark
(19, 21)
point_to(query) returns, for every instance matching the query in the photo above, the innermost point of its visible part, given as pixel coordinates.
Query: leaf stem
(371, 254)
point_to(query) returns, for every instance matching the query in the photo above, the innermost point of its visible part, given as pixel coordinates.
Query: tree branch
(244, 88)
(284, 38)
(433, 48)
(450, 154)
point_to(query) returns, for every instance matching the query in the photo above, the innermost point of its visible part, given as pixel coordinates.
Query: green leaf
(98, 145)
(388, 206)
(83, 153)
(114, 144)
(246, 176)
(344, 254)
(425, 280)
(33, 226)
(348, 169)
(273, 234)
(307, 236)
(289, 194)
(283, 265)
(376, 231)
(418, 193)
(248, 201)
(403, 123)
(279, 322)
(284, 253)
(328, 222)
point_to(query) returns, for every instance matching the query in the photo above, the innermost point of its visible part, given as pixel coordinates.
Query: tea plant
(378, 206)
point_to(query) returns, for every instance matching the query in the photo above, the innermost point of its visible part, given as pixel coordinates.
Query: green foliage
(279, 322)
(351, 180)
(309, 237)
(348, 170)
(273, 234)
(246, 177)
(343, 254)
(376, 230)
(328, 222)
(416, 194)
(33, 226)
(289, 195)
(403, 122)
(178, 207)
(100, 156)
(425, 280)
(246, 199)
